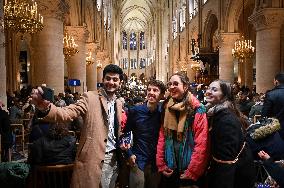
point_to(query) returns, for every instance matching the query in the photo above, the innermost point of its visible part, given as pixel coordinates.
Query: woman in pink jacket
(182, 151)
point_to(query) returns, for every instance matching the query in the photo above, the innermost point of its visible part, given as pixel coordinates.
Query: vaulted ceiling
(136, 15)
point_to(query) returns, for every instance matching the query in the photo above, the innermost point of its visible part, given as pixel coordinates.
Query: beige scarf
(170, 121)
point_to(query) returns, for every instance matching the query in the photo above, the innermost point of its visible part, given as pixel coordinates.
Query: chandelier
(21, 16)
(89, 58)
(69, 46)
(243, 49)
(195, 66)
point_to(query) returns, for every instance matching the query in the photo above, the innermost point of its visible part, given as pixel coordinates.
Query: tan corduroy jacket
(91, 150)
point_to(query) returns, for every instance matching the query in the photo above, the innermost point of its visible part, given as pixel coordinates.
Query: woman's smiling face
(176, 87)
(214, 93)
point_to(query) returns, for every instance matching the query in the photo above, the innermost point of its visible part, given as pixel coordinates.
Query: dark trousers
(174, 181)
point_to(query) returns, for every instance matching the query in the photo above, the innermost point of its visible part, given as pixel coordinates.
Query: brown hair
(227, 91)
(158, 84)
(183, 77)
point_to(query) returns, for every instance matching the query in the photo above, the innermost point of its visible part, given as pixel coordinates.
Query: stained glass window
(142, 63)
(125, 64)
(174, 27)
(142, 41)
(124, 40)
(133, 42)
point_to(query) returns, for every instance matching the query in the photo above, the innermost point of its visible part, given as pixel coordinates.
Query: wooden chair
(57, 176)
(19, 131)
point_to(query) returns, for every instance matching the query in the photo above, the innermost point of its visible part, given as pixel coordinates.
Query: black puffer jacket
(227, 139)
(47, 151)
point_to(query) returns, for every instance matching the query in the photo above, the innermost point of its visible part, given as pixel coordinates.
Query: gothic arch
(233, 11)
(210, 27)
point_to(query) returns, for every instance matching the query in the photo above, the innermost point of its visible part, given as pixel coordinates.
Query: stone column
(268, 23)
(91, 69)
(77, 63)
(100, 74)
(190, 73)
(241, 72)
(100, 64)
(248, 64)
(3, 89)
(226, 64)
(48, 60)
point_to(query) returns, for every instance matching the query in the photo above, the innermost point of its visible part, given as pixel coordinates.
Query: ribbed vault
(136, 15)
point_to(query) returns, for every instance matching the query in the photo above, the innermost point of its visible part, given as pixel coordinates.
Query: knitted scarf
(170, 121)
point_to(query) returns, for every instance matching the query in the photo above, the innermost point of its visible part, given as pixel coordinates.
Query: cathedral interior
(54, 42)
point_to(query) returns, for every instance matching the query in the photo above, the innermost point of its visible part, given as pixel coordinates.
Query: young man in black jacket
(274, 102)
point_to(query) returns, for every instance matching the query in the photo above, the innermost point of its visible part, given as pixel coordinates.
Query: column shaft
(77, 63)
(99, 74)
(49, 59)
(92, 77)
(267, 57)
(226, 64)
(248, 73)
(268, 23)
(3, 88)
(91, 69)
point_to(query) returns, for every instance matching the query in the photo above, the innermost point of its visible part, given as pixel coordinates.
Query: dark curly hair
(112, 68)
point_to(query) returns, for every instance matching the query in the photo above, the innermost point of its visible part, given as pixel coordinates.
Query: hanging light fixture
(21, 16)
(195, 66)
(243, 48)
(70, 47)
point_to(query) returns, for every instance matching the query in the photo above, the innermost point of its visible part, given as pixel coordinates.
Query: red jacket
(200, 155)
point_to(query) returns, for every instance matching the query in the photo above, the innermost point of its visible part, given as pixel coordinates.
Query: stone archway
(210, 28)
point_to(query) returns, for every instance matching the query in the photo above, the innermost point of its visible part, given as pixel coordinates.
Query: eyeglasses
(174, 84)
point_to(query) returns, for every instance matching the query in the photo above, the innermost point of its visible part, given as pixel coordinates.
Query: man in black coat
(6, 134)
(274, 102)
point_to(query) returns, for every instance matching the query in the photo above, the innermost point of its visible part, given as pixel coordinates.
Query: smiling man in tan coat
(96, 159)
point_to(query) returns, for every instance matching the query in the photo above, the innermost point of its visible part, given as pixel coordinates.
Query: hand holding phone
(38, 99)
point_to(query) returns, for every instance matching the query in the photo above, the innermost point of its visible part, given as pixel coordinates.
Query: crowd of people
(179, 135)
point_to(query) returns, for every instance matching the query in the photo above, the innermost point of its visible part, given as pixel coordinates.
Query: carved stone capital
(267, 18)
(91, 47)
(53, 8)
(80, 33)
(225, 39)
